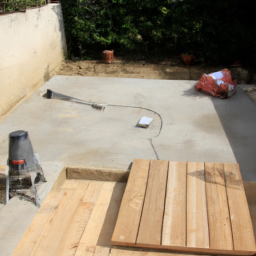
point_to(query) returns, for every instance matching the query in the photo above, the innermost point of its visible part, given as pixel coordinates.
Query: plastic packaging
(218, 84)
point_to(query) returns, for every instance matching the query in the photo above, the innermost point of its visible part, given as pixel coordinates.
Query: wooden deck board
(205, 211)
(150, 230)
(58, 224)
(242, 228)
(174, 225)
(79, 217)
(128, 220)
(217, 208)
(197, 221)
(70, 240)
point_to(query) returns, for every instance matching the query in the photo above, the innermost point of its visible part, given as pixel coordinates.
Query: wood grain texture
(197, 221)
(100, 174)
(84, 250)
(242, 228)
(128, 220)
(150, 230)
(174, 224)
(132, 252)
(191, 250)
(101, 224)
(217, 207)
(59, 223)
(70, 240)
(35, 231)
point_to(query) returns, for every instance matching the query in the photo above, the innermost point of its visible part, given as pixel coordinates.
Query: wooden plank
(70, 240)
(34, 233)
(241, 223)
(150, 230)
(85, 250)
(100, 174)
(132, 252)
(58, 224)
(128, 220)
(191, 250)
(97, 234)
(174, 224)
(136, 252)
(217, 208)
(197, 222)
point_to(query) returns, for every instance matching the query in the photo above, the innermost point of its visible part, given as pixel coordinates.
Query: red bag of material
(218, 84)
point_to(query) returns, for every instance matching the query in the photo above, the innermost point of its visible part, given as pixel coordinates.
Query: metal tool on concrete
(25, 171)
(101, 106)
(55, 95)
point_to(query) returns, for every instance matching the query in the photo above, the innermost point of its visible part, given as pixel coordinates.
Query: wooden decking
(77, 219)
(185, 207)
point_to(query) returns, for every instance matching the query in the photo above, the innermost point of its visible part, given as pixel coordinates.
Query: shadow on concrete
(238, 118)
(193, 93)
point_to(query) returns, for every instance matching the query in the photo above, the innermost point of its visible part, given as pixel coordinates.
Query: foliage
(220, 31)
(22, 5)
(127, 25)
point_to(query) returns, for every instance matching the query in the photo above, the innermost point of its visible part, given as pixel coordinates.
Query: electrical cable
(150, 139)
(54, 95)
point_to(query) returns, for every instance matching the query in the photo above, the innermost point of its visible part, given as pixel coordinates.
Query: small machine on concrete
(25, 171)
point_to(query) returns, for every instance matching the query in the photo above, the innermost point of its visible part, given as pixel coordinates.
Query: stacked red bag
(218, 84)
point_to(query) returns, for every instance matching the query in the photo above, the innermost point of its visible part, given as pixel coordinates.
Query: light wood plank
(217, 208)
(134, 252)
(100, 174)
(150, 230)
(70, 240)
(197, 222)
(128, 220)
(242, 228)
(100, 227)
(57, 226)
(191, 250)
(34, 233)
(85, 250)
(174, 224)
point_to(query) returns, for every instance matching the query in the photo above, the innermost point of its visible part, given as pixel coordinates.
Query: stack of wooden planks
(76, 219)
(189, 207)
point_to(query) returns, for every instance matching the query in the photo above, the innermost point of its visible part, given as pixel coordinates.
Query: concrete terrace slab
(196, 127)
(76, 134)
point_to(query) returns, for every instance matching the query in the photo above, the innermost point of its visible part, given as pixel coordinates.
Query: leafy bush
(21, 5)
(220, 31)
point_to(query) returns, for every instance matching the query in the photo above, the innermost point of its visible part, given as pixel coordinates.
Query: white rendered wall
(32, 45)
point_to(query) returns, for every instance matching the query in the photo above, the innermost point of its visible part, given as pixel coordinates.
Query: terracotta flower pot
(187, 59)
(108, 56)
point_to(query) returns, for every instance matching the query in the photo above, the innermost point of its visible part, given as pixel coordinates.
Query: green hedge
(22, 5)
(220, 31)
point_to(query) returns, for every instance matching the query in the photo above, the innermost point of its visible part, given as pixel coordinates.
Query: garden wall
(32, 46)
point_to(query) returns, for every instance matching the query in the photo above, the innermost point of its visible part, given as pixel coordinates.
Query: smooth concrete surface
(238, 119)
(66, 133)
(76, 134)
(32, 45)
